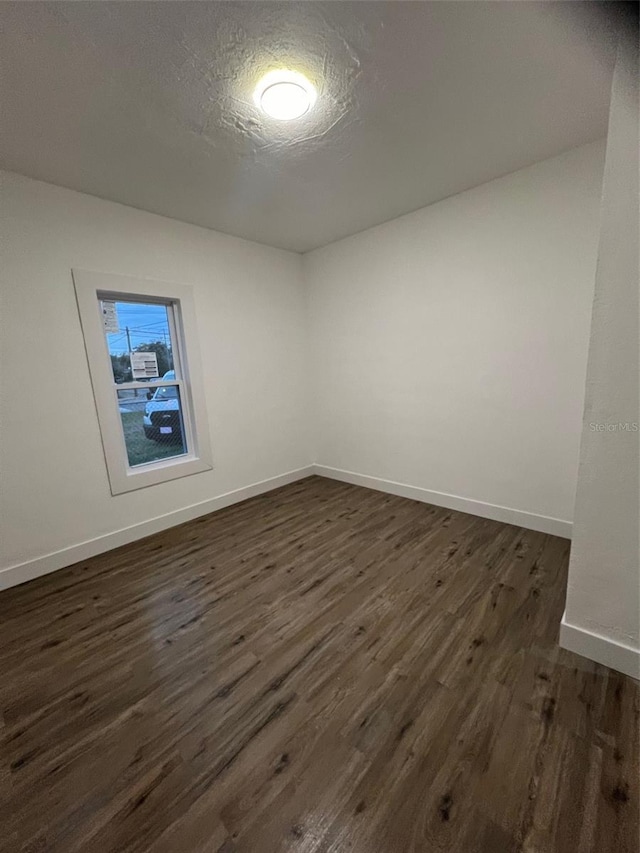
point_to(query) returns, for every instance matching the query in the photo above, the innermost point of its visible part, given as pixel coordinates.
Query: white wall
(602, 619)
(55, 493)
(449, 346)
(445, 350)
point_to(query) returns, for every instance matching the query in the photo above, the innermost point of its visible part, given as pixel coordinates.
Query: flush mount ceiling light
(284, 95)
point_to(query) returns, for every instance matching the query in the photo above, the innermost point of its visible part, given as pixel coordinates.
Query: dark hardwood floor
(324, 668)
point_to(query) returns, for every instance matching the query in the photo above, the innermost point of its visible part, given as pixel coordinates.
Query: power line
(148, 325)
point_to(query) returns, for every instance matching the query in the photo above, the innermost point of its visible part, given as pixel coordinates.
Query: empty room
(319, 407)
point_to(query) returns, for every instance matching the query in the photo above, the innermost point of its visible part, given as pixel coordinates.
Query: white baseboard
(14, 575)
(22, 572)
(541, 523)
(600, 649)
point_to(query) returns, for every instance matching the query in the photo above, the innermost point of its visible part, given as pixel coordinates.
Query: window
(140, 338)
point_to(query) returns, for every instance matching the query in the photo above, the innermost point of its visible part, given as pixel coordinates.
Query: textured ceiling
(150, 104)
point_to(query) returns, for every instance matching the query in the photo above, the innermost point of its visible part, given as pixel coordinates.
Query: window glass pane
(141, 328)
(152, 423)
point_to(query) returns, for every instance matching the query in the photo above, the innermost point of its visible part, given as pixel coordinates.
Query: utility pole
(126, 328)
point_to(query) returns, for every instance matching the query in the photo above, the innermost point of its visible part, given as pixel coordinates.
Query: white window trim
(122, 478)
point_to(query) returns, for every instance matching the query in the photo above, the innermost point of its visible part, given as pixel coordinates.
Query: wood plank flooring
(322, 669)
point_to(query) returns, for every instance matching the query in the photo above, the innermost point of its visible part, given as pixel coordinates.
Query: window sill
(155, 473)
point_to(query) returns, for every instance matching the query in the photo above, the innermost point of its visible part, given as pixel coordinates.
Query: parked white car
(162, 419)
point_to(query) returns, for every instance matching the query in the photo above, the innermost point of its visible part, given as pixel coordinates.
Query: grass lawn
(141, 449)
